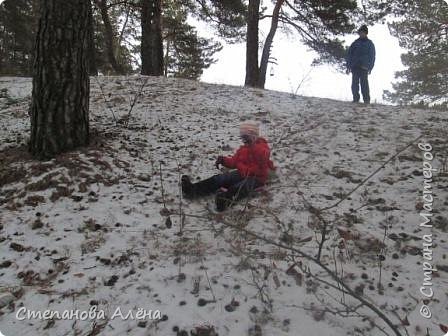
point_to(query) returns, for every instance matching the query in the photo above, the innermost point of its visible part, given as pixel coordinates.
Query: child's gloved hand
(219, 161)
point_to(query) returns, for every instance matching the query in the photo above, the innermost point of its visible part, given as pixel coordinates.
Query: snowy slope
(90, 227)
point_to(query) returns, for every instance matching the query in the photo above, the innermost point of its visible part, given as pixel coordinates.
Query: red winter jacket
(252, 160)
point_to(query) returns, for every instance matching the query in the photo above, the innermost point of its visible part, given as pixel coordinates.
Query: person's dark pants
(360, 77)
(235, 182)
(235, 187)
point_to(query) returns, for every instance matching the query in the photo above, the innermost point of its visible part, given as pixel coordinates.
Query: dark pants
(236, 188)
(233, 181)
(360, 76)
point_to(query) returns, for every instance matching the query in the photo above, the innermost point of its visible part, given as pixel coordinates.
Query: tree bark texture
(152, 43)
(60, 98)
(93, 70)
(109, 36)
(268, 44)
(252, 69)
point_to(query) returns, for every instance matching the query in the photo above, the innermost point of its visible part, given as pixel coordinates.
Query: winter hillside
(105, 226)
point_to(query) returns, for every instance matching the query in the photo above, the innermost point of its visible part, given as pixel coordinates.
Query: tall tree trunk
(60, 99)
(109, 36)
(93, 70)
(35, 9)
(268, 44)
(252, 70)
(2, 53)
(152, 43)
(167, 56)
(125, 24)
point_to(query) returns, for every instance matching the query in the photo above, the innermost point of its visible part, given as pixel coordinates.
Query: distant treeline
(154, 37)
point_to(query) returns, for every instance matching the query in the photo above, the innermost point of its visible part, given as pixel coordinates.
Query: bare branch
(333, 275)
(372, 174)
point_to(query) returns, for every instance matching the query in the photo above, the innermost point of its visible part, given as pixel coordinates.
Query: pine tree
(227, 18)
(111, 21)
(108, 52)
(109, 36)
(93, 70)
(423, 32)
(252, 44)
(151, 39)
(318, 23)
(60, 97)
(18, 22)
(186, 53)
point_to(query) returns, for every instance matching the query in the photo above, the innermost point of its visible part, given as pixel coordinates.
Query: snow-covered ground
(105, 226)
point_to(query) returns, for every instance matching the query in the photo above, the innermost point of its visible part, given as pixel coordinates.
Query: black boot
(187, 186)
(201, 188)
(223, 200)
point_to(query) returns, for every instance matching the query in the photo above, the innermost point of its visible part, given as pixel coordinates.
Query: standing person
(251, 162)
(360, 61)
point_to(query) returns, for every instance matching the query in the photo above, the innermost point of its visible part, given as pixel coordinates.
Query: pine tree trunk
(268, 44)
(152, 43)
(167, 56)
(60, 98)
(2, 53)
(93, 70)
(108, 36)
(252, 70)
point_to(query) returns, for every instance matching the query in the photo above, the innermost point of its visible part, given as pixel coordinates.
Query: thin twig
(372, 174)
(105, 99)
(161, 186)
(209, 283)
(134, 101)
(323, 227)
(334, 276)
(181, 214)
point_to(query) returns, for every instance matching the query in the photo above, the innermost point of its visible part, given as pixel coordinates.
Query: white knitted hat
(250, 127)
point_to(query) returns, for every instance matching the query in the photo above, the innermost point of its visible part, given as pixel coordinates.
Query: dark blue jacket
(361, 54)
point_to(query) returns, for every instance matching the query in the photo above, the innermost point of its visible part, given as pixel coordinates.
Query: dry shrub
(34, 200)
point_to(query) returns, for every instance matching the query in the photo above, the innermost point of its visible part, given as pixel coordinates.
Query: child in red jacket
(252, 165)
